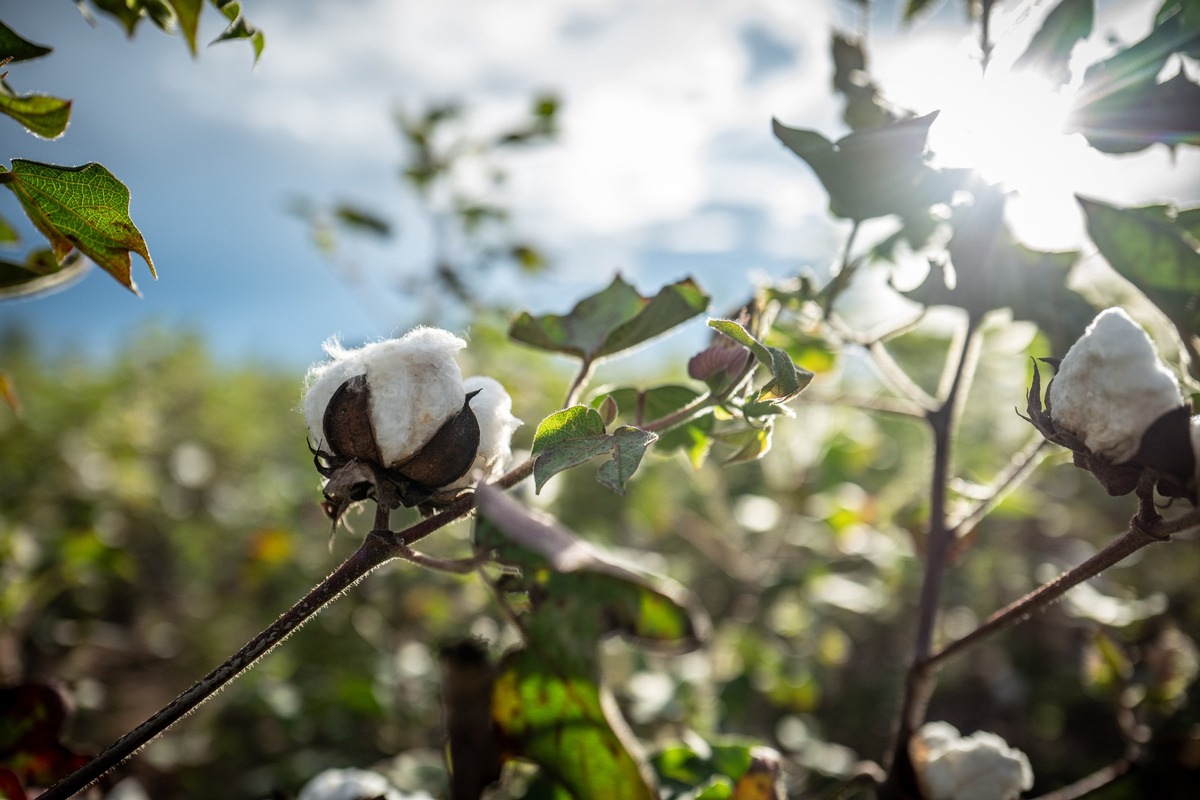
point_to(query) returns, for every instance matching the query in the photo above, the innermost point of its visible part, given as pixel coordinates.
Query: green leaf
(557, 720)
(18, 49)
(730, 768)
(40, 272)
(8, 234)
(865, 108)
(576, 422)
(914, 8)
(1151, 250)
(749, 444)
(628, 446)
(876, 172)
(787, 380)
(610, 321)
(576, 435)
(187, 12)
(1049, 52)
(239, 28)
(989, 269)
(361, 220)
(606, 595)
(128, 14)
(84, 208)
(41, 115)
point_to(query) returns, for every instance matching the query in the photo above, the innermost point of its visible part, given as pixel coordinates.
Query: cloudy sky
(665, 166)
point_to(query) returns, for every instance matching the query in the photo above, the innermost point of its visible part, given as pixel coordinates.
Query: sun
(1008, 126)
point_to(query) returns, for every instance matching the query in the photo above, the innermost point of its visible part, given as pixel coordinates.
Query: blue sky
(665, 167)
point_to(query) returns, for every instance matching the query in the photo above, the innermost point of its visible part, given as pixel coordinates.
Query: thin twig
(581, 379)
(1015, 472)
(1129, 542)
(1098, 779)
(897, 378)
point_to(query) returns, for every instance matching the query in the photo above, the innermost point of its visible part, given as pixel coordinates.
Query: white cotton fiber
(981, 766)
(416, 386)
(1111, 386)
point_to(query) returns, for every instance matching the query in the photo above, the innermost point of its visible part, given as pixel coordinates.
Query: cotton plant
(1120, 410)
(981, 766)
(395, 421)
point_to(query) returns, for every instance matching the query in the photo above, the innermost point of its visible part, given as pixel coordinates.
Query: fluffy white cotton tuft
(493, 410)
(416, 387)
(981, 766)
(1111, 386)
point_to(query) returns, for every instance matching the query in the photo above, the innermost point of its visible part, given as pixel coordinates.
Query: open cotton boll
(981, 766)
(1111, 386)
(415, 384)
(493, 409)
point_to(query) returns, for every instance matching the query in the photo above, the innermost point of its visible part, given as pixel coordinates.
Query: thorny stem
(379, 547)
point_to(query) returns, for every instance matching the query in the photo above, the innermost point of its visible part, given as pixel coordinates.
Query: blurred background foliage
(158, 510)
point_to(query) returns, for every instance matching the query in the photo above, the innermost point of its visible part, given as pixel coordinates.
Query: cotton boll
(493, 409)
(1111, 386)
(981, 766)
(416, 387)
(415, 384)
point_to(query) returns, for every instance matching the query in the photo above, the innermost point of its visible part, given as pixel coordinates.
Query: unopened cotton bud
(1111, 387)
(981, 766)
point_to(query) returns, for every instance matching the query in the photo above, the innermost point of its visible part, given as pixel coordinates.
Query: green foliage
(1066, 25)
(1156, 249)
(181, 15)
(84, 208)
(612, 320)
(576, 435)
(41, 115)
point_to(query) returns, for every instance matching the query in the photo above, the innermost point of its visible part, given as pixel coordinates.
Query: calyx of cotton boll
(394, 421)
(981, 766)
(1119, 410)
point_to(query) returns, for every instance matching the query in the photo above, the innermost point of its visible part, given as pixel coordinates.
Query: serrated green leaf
(41, 115)
(1049, 52)
(876, 172)
(787, 380)
(18, 49)
(84, 208)
(628, 446)
(1152, 251)
(239, 27)
(611, 320)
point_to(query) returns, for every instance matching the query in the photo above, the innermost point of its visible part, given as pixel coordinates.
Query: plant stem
(1017, 470)
(919, 683)
(1086, 785)
(581, 378)
(373, 552)
(1129, 542)
(380, 546)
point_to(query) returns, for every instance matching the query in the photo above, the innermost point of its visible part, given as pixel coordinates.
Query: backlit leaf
(787, 380)
(1150, 249)
(39, 272)
(611, 320)
(239, 27)
(84, 208)
(1066, 25)
(628, 446)
(187, 13)
(576, 435)
(876, 172)
(41, 115)
(576, 422)
(18, 49)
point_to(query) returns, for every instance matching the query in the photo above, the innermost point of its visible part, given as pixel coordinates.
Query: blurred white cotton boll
(1111, 386)
(981, 766)
(350, 784)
